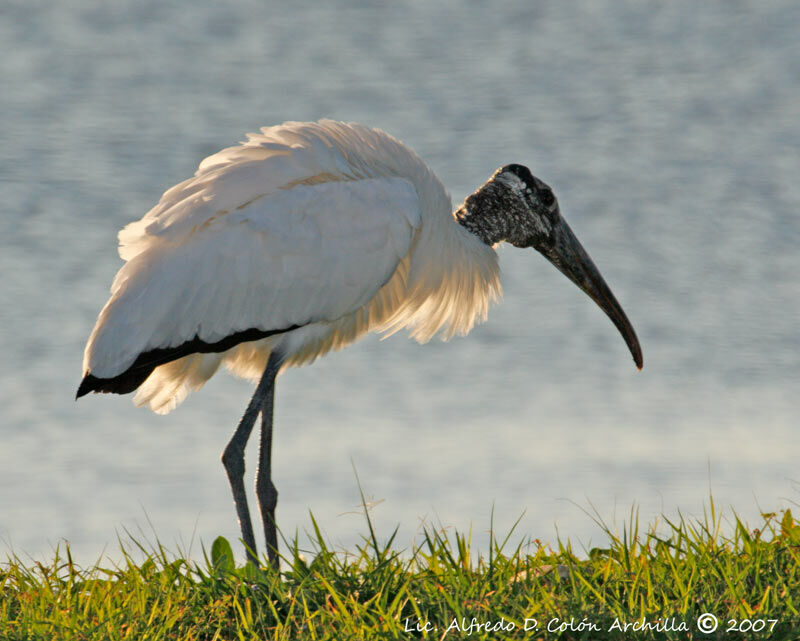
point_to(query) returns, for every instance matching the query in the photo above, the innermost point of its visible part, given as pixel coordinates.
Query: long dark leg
(233, 458)
(265, 489)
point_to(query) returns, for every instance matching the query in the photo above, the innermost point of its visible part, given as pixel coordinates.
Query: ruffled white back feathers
(332, 226)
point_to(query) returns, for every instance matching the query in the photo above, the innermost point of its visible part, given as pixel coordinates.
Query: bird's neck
(484, 213)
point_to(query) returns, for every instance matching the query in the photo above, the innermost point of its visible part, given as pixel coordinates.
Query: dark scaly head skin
(512, 206)
(516, 207)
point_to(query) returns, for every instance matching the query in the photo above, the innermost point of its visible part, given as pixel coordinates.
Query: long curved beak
(569, 256)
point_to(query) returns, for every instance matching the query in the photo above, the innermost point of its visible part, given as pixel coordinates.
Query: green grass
(668, 576)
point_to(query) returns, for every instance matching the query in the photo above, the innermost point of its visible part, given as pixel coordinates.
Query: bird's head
(516, 207)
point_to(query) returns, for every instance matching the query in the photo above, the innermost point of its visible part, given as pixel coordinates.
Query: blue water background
(669, 131)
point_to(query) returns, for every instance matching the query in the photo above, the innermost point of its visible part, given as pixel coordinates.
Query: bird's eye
(547, 198)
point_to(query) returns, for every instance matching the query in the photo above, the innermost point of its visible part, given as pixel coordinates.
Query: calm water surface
(670, 134)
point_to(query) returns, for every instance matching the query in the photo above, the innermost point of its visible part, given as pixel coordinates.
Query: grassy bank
(660, 583)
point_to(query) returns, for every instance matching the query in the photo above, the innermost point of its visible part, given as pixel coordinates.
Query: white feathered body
(333, 228)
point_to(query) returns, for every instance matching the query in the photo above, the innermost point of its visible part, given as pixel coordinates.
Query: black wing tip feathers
(86, 386)
(146, 362)
(126, 382)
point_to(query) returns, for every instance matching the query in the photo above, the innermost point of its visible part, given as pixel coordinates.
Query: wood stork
(296, 242)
